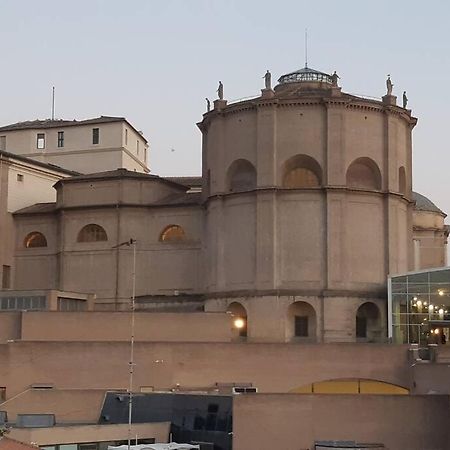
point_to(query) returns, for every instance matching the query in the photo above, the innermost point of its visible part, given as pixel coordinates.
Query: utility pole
(131, 242)
(131, 364)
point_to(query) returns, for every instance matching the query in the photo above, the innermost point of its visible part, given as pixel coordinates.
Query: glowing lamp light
(441, 292)
(239, 323)
(441, 311)
(425, 303)
(430, 308)
(415, 298)
(436, 331)
(419, 303)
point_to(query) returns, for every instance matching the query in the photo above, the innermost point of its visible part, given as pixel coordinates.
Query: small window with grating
(172, 233)
(92, 233)
(35, 239)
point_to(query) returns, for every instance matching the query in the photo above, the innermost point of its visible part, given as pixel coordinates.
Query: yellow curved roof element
(351, 386)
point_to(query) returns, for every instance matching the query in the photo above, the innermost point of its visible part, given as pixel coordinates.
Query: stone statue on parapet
(405, 99)
(208, 104)
(268, 80)
(389, 85)
(334, 79)
(220, 91)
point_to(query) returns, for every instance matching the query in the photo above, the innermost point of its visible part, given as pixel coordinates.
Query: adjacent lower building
(85, 146)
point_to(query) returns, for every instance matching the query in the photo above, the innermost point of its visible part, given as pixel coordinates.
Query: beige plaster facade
(71, 144)
(23, 182)
(293, 422)
(306, 207)
(91, 433)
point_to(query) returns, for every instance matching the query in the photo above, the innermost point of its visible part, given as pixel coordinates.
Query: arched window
(302, 171)
(92, 233)
(402, 180)
(301, 322)
(35, 239)
(172, 233)
(364, 173)
(368, 323)
(239, 322)
(241, 176)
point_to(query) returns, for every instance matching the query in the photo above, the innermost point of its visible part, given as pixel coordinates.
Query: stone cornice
(354, 103)
(379, 292)
(321, 189)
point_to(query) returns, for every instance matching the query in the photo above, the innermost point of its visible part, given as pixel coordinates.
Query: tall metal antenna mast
(306, 47)
(53, 103)
(131, 366)
(131, 243)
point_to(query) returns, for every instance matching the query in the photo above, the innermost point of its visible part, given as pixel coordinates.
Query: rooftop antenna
(131, 364)
(306, 47)
(53, 103)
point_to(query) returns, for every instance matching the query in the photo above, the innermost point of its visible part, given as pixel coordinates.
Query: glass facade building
(419, 307)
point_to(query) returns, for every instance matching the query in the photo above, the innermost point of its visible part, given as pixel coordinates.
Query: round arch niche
(301, 322)
(368, 326)
(301, 171)
(241, 176)
(363, 173)
(239, 321)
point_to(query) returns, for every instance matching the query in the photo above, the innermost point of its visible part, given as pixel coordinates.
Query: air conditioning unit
(244, 390)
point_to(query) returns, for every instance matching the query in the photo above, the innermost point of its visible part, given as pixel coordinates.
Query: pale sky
(154, 62)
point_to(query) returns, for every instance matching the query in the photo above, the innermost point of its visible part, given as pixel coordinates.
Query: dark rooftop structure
(425, 204)
(305, 75)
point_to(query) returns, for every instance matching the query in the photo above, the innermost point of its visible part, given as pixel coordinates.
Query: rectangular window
(126, 136)
(40, 140)
(145, 155)
(60, 139)
(301, 326)
(2, 393)
(2, 142)
(19, 177)
(361, 327)
(6, 277)
(137, 147)
(95, 135)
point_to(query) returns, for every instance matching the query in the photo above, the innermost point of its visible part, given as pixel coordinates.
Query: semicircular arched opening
(92, 233)
(368, 326)
(301, 322)
(35, 239)
(239, 321)
(241, 176)
(301, 171)
(172, 233)
(363, 173)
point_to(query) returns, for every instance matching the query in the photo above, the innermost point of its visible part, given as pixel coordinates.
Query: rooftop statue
(220, 91)
(405, 99)
(389, 85)
(268, 80)
(208, 104)
(334, 79)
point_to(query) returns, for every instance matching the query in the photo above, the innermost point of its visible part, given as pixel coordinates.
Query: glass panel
(421, 307)
(68, 447)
